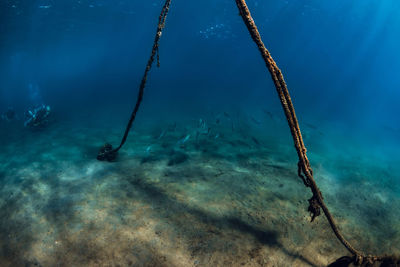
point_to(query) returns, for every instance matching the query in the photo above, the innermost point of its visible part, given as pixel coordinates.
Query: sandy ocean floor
(229, 199)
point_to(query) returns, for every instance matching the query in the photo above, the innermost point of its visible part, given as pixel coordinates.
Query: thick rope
(304, 169)
(106, 152)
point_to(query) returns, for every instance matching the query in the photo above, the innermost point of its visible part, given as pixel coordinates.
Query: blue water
(85, 59)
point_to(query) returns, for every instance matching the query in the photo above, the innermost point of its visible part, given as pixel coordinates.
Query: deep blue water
(339, 59)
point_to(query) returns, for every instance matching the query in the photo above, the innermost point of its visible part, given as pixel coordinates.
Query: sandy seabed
(228, 199)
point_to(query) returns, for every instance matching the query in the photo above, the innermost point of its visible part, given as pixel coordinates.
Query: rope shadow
(168, 208)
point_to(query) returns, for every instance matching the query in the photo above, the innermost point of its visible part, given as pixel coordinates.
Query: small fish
(309, 125)
(216, 136)
(172, 127)
(162, 134)
(255, 121)
(203, 129)
(202, 124)
(240, 143)
(202, 132)
(227, 115)
(255, 140)
(183, 140)
(148, 149)
(269, 114)
(45, 7)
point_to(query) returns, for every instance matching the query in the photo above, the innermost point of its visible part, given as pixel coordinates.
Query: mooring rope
(304, 169)
(107, 152)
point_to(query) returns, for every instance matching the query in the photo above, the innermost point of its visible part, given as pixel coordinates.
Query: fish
(216, 136)
(202, 124)
(227, 115)
(184, 140)
(172, 127)
(269, 114)
(255, 120)
(162, 134)
(148, 149)
(314, 128)
(255, 140)
(309, 125)
(203, 128)
(9, 115)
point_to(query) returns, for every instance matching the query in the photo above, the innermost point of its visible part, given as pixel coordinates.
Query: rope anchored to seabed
(305, 172)
(107, 152)
(316, 202)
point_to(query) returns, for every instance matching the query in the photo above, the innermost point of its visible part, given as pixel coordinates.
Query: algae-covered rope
(106, 152)
(304, 168)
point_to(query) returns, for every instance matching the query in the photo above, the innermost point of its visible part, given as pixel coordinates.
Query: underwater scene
(199, 133)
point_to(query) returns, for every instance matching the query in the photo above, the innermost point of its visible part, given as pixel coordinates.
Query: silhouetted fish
(309, 125)
(227, 115)
(270, 115)
(173, 127)
(255, 140)
(255, 120)
(162, 134)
